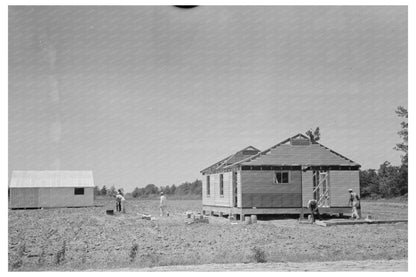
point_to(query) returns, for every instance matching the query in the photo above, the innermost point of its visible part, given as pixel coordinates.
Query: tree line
(151, 190)
(389, 180)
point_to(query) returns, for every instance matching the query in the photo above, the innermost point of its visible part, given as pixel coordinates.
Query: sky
(154, 94)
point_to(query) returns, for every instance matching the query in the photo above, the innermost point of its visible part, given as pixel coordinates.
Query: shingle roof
(297, 150)
(31, 179)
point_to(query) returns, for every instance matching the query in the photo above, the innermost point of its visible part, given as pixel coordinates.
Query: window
(282, 177)
(79, 191)
(221, 185)
(208, 186)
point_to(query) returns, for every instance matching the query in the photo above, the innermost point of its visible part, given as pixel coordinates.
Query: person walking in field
(118, 201)
(354, 202)
(313, 207)
(162, 204)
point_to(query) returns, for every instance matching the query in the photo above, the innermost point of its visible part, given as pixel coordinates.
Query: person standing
(162, 204)
(118, 201)
(354, 202)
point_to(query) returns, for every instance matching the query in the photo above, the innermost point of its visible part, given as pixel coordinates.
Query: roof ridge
(258, 155)
(222, 162)
(267, 150)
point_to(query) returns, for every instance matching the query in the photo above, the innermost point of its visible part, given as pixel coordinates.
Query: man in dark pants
(313, 208)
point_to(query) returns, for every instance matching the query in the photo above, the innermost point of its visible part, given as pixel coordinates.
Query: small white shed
(48, 189)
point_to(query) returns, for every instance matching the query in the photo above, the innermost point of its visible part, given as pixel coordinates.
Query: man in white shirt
(162, 204)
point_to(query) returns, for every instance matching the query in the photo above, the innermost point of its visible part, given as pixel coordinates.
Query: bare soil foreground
(80, 239)
(367, 265)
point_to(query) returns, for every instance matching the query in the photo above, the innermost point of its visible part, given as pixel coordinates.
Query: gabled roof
(238, 156)
(49, 179)
(297, 150)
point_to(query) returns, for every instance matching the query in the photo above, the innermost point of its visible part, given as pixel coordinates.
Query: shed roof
(50, 178)
(297, 150)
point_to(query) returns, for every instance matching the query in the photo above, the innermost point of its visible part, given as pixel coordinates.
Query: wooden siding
(263, 182)
(239, 190)
(259, 190)
(307, 187)
(49, 197)
(215, 198)
(64, 197)
(272, 200)
(339, 183)
(24, 198)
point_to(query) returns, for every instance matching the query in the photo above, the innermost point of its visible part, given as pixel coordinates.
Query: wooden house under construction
(280, 180)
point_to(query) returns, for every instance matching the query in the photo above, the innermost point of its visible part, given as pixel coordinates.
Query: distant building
(47, 189)
(280, 180)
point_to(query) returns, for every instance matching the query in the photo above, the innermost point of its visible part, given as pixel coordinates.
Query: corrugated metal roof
(49, 178)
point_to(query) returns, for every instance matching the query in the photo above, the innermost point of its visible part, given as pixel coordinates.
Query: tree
(166, 190)
(104, 190)
(112, 191)
(314, 136)
(96, 191)
(173, 189)
(369, 183)
(389, 180)
(151, 189)
(403, 133)
(136, 192)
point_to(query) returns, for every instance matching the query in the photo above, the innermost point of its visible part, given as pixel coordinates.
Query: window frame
(221, 182)
(275, 178)
(208, 191)
(77, 191)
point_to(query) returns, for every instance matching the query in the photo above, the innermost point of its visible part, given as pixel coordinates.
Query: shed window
(281, 177)
(208, 186)
(79, 191)
(221, 185)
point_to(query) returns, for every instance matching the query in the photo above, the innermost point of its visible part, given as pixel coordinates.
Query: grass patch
(259, 255)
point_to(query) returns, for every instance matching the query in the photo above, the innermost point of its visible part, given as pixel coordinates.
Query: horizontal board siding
(206, 199)
(215, 199)
(307, 187)
(257, 181)
(340, 182)
(259, 190)
(64, 197)
(272, 200)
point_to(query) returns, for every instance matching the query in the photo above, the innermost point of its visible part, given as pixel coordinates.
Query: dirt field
(366, 265)
(88, 239)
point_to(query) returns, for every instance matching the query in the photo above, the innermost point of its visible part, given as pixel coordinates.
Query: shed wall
(340, 182)
(49, 197)
(259, 190)
(24, 197)
(65, 197)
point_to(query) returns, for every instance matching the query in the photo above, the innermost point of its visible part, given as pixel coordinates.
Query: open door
(321, 187)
